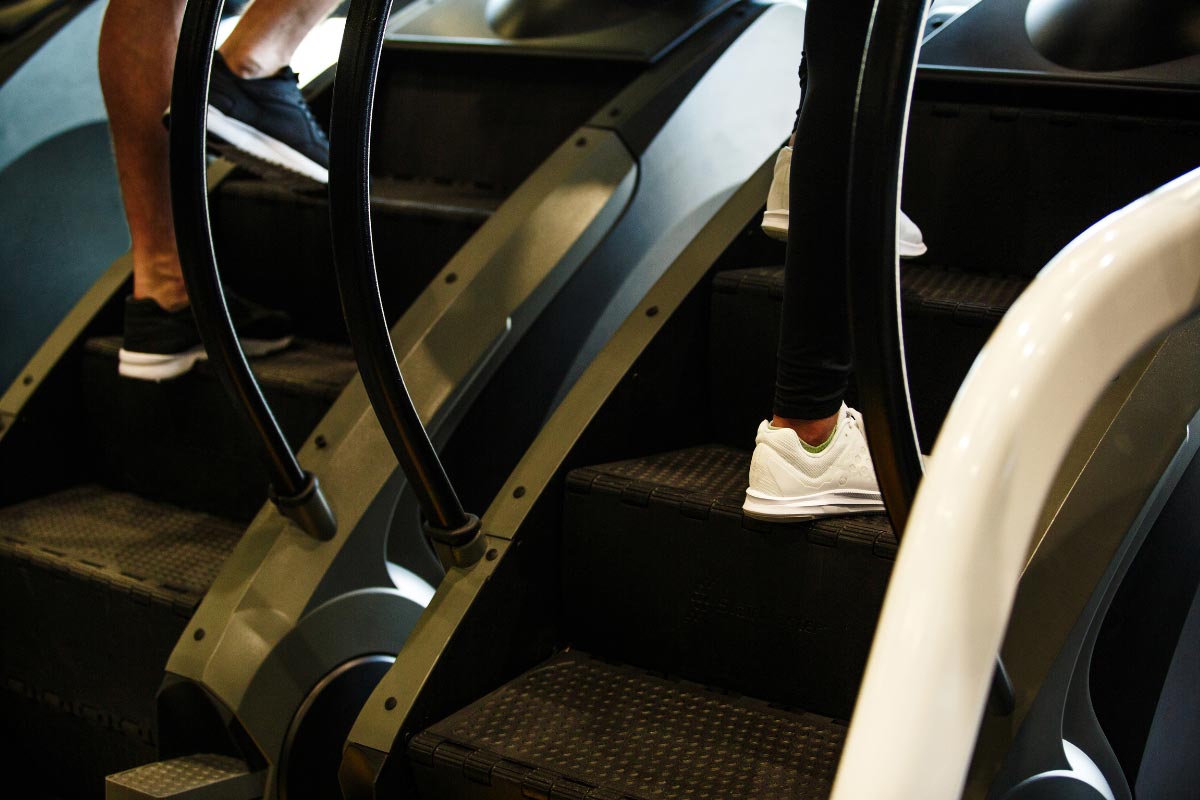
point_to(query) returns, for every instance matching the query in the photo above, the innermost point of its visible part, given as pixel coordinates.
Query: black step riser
(486, 118)
(277, 245)
(658, 585)
(180, 441)
(97, 743)
(1004, 188)
(104, 584)
(89, 684)
(744, 338)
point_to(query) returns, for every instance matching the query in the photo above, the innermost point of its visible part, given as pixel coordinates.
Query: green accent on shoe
(819, 448)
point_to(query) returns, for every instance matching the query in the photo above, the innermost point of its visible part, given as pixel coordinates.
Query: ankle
(250, 65)
(162, 282)
(168, 301)
(812, 432)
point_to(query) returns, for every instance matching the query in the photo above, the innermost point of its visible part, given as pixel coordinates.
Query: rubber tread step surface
(169, 554)
(712, 479)
(306, 367)
(579, 727)
(204, 776)
(970, 298)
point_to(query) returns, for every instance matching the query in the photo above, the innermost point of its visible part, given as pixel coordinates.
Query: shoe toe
(912, 241)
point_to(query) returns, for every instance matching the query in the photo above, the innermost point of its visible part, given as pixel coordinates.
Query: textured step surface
(122, 541)
(204, 776)
(576, 727)
(948, 316)
(182, 442)
(662, 570)
(970, 298)
(97, 588)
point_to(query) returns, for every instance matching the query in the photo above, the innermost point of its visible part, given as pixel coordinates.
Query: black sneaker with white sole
(160, 344)
(265, 125)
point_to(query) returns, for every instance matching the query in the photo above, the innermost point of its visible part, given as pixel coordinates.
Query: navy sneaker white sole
(823, 504)
(234, 138)
(163, 367)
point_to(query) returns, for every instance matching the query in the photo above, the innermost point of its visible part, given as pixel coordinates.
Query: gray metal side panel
(285, 610)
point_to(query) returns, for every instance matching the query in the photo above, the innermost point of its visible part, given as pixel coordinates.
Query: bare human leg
(268, 34)
(137, 53)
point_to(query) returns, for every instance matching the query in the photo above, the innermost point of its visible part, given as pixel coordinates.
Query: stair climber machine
(533, 169)
(630, 634)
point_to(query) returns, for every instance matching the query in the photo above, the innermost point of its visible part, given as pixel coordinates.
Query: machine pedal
(196, 777)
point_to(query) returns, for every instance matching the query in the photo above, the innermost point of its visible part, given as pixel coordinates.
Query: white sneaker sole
(775, 226)
(262, 147)
(910, 250)
(159, 367)
(824, 504)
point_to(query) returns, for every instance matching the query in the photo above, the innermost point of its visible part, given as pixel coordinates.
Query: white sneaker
(787, 482)
(775, 220)
(910, 244)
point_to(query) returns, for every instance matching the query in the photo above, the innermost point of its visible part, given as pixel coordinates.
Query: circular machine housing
(313, 749)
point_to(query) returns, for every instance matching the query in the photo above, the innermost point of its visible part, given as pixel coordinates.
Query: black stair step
(662, 570)
(576, 727)
(968, 297)
(306, 368)
(97, 586)
(181, 441)
(275, 243)
(949, 315)
(167, 554)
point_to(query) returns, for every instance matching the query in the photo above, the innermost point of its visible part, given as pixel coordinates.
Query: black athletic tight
(814, 343)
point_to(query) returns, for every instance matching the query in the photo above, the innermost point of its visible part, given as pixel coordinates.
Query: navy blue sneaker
(160, 344)
(265, 125)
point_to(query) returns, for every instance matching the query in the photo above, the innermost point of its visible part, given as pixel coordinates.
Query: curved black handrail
(358, 281)
(877, 149)
(295, 492)
(876, 156)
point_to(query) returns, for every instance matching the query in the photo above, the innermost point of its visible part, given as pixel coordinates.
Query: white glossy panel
(1113, 291)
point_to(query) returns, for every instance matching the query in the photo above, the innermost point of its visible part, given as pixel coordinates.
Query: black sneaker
(264, 125)
(160, 344)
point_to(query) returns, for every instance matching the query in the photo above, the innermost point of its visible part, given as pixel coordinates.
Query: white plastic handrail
(1114, 290)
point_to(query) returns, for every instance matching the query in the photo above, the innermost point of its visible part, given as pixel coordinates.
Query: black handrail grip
(294, 491)
(358, 281)
(873, 283)
(876, 151)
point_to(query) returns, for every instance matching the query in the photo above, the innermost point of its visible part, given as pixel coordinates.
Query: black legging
(814, 341)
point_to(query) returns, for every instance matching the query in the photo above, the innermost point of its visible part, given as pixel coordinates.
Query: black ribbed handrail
(358, 281)
(876, 156)
(877, 149)
(295, 492)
